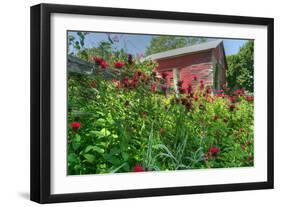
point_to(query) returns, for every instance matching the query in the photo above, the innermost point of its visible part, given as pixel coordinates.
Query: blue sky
(136, 44)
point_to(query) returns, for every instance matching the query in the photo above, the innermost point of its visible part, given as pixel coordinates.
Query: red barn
(206, 61)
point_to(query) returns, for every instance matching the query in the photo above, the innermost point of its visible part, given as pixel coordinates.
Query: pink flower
(100, 61)
(179, 84)
(134, 81)
(189, 89)
(138, 168)
(232, 107)
(75, 125)
(194, 78)
(103, 64)
(97, 60)
(154, 73)
(208, 90)
(250, 98)
(139, 73)
(222, 95)
(153, 87)
(214, 151)
(182, 90)
(164, 89)
(126, 81)
(119, 64)
(239, 92)
(232, 99)
(201, 84)
(164, 75)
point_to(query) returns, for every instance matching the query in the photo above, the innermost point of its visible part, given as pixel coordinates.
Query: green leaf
(125, 156)
(118, 168)
(105, 132)
(94, 148)
(75, 145)
(72, 158)
(102, 133)
(112, 159)
(77, 138)
(100, 122)
(90, 158)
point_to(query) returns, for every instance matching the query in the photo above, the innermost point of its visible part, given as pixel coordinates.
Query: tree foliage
(164, 43)
(240, 72)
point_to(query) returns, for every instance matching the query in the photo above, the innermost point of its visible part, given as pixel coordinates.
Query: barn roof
(185, 50)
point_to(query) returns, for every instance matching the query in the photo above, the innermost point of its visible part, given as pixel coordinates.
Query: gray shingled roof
(185, 50)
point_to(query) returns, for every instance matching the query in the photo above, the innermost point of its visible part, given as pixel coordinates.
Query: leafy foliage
(240, 72)
(164, 43)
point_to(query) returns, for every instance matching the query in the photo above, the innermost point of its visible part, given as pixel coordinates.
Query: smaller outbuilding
(205, 61)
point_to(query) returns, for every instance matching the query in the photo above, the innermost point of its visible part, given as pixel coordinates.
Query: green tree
(240, 72)
(164, 43)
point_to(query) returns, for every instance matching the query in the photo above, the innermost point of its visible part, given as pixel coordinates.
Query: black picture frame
(41, 96)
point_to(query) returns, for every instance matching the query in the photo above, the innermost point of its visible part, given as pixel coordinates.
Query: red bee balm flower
(164, 89)
(194, 78)
(180, 84)
(139, 73)
(119, 64)
(75, 125)
(138, 168)
(103, 64)
(126, 81)
(232, 99)
(182, 91)
(201, 85)
(250, 98)
(153, 87)
(208, 90)
(164, 75)
(214, 151)
(232, 107)
(97, 60)
(189, 89)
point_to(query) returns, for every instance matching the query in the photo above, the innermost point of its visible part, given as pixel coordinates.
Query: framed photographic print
(132, 103)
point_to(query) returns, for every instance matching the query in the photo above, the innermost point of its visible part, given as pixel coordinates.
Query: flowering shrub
(136, 122)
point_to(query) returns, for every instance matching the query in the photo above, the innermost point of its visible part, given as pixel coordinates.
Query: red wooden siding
(189, 65)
